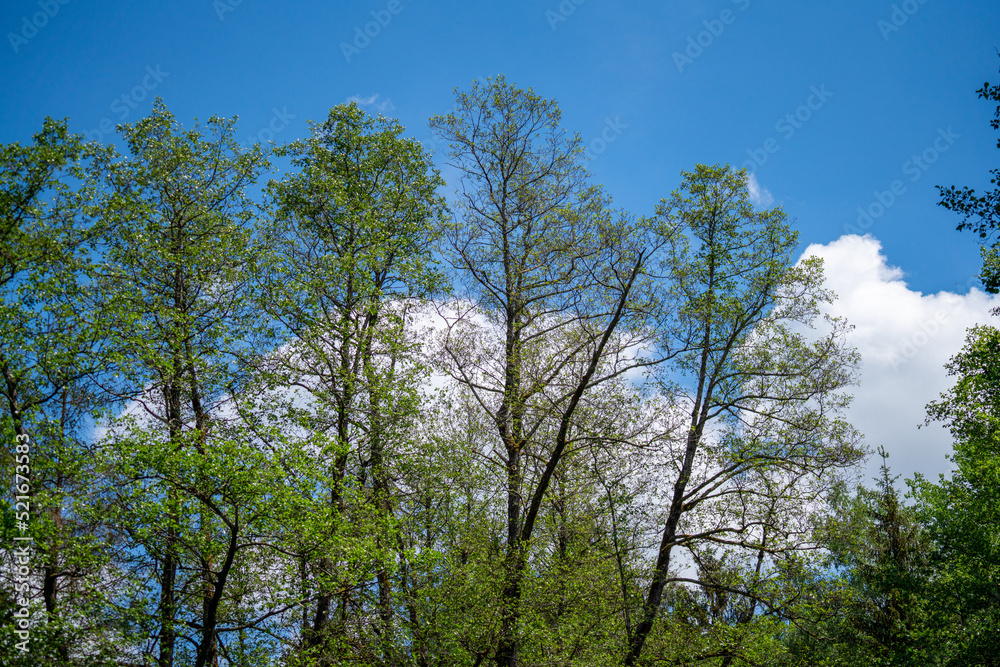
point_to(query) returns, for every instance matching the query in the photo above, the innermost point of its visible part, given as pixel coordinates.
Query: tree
(963, 513)
(762, 399)
(553, 273)
(187, 492)
(878, 612)
(41, 236)
(981, 213)
(351, 259)
(49, 341)
(276, 477)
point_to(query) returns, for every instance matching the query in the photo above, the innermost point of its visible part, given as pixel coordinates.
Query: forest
(308, 404)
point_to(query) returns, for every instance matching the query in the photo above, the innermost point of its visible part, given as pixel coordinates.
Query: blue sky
(830, 102)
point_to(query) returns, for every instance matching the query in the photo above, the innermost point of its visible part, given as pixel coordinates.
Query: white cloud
(760, 196)
(373, 101)
(904, 338)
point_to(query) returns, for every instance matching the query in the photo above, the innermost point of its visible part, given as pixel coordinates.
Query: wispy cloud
(758, 195)
(379, 105)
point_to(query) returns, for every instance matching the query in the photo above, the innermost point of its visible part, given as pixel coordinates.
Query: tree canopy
(343, 415)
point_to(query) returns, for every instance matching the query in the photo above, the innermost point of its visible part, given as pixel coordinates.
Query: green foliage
(919, 581)
(981, 212)
(761, 401)
(45, 329)
(186, 489)
(882, 550)
(963, 513)
(349, 262)
(178, 254)
(49, 336)
(289, 466)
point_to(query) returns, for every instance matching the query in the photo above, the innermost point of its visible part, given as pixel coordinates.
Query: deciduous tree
(963, 513)
(762, 399)
(49, 343)
(351, 259)
(553, 274)
(188, 487)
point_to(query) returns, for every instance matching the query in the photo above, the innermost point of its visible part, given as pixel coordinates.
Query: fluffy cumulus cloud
(905, 338)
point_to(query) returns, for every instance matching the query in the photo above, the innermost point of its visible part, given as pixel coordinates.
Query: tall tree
(351, 259)
(762, 400)
(188, 487)
(963, 513)
(554, 274)
(49, 340)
